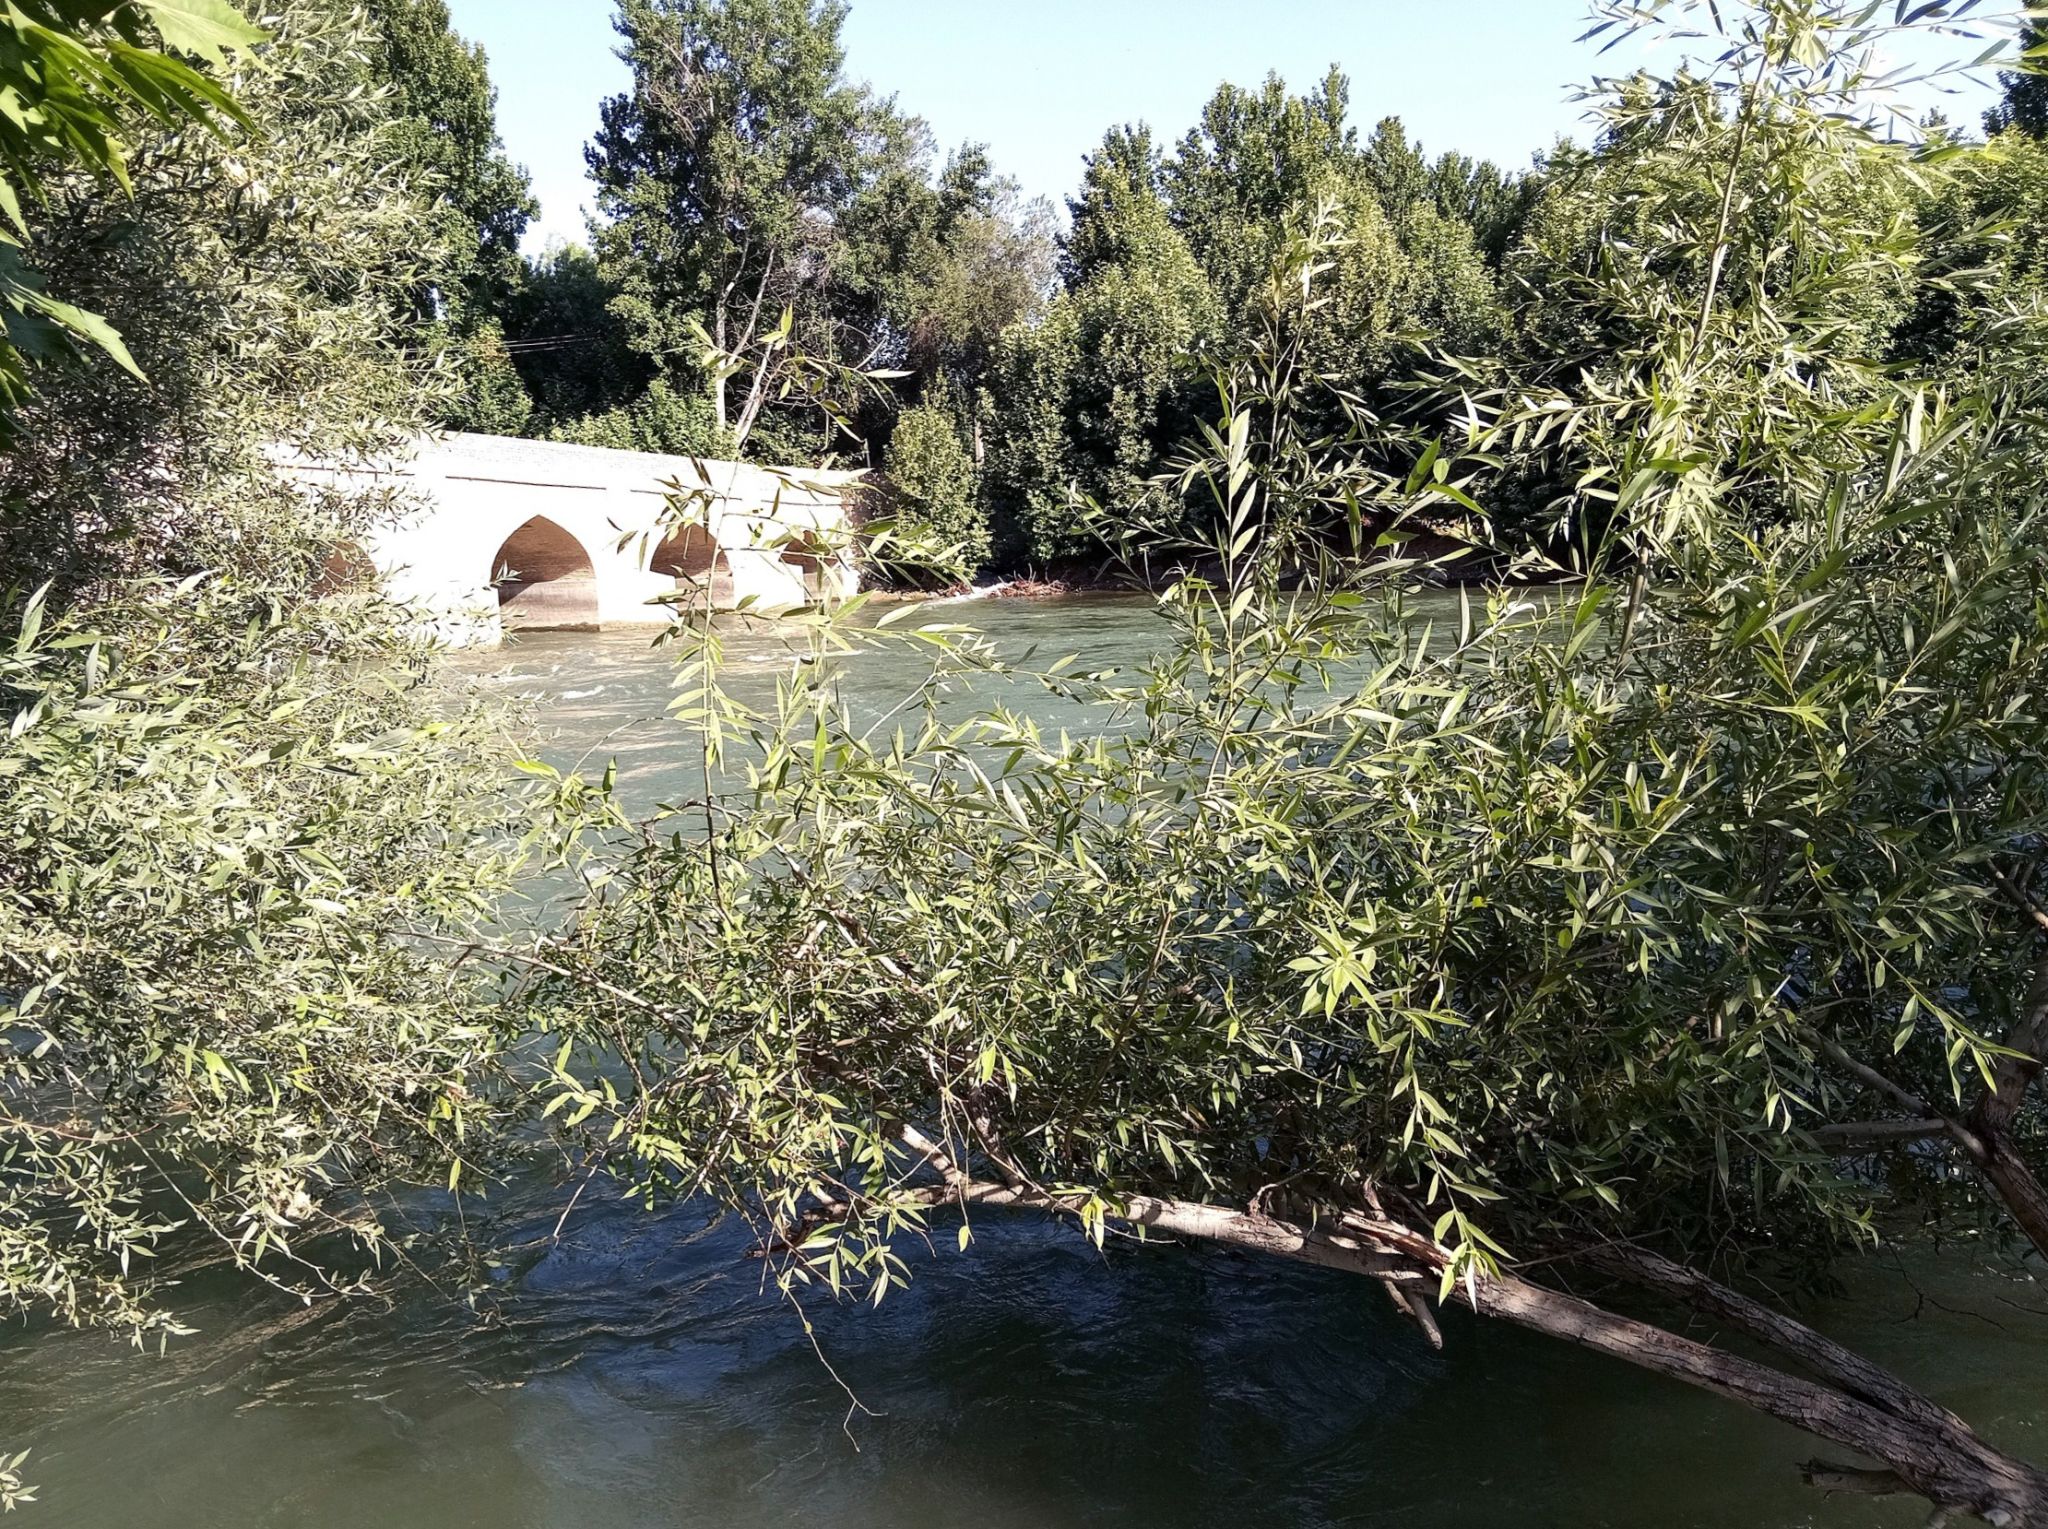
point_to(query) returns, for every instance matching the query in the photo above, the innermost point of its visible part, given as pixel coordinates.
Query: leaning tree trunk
(1842, 1397)
(1984, 1136)
(1991, 1121)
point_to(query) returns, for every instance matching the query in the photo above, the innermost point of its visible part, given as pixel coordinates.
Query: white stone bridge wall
(534, 534)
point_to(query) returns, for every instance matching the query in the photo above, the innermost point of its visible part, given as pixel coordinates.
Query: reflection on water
(636, 1375)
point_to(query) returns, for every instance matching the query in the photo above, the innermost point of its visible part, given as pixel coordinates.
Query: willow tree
(228, 812)
(1604, 935)
(75, 73)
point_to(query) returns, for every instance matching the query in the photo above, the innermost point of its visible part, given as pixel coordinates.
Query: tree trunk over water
(1844, 1398)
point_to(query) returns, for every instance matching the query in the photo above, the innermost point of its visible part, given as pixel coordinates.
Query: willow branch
(1907, 1100)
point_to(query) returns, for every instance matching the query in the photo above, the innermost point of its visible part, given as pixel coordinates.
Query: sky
(1040, 80)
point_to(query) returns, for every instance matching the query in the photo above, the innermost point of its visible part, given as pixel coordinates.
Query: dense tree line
(782, 265)
(742, 178)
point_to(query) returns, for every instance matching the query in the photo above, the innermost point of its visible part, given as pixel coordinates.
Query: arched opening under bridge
(545, 579)
(692, 557)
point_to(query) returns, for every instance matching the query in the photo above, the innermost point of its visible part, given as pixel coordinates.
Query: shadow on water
(635, 1374)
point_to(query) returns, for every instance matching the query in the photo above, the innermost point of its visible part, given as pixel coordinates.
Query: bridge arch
(693, 557)
(545, 578)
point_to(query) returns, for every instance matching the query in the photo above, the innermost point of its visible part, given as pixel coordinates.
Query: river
(634, 1375)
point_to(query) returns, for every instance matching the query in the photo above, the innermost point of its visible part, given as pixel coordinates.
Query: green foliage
(1244, 173)
(1086, 404)
(1715, 219)
(1983, 246)
(260, 287)
(215, 835)
(1590, 916)
(226, 800)
(14, 1491)
(660, 420)
(2025, 106)
(489, 394)
(1118, 180)
(1488, 200)
(233, 824)
(443, 135)
(1395, 168)
(444, 123)
(946, 264)
(928, 486)
(1167, 258)
(1393, 288)
(758, 207)
(1547, 927)
(722, 176)
(73, 72)
(571, 349)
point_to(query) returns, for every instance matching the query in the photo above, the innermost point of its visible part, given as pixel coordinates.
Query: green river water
(633, 1375)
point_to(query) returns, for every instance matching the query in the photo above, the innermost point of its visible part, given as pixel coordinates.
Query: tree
(928, 488)
(572, 351)
(225, 830)
(1609, 255)
(1119, 178)
(1620, 931)
(948, 263)
(2025, 106)
(1253, 161)
(1984, 248)
(1085, 406)
(262, 289)
(722, 177)
(1491, 202)
(1396, 169)
(73, 73)
(659, 420)
(1088, 407)
(444, 129)
(232, 826)
(1409, 271)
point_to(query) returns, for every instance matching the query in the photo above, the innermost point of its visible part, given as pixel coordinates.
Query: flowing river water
(633, 1374)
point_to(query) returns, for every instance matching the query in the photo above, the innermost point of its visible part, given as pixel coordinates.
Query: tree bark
(1958, 1473)
(718, 376)
(1822, 1356)
(1991, 1120)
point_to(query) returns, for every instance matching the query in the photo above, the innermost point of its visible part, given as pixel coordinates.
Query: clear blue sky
(1039, 80)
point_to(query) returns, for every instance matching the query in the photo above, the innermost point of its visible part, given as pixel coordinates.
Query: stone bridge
(496, 533)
